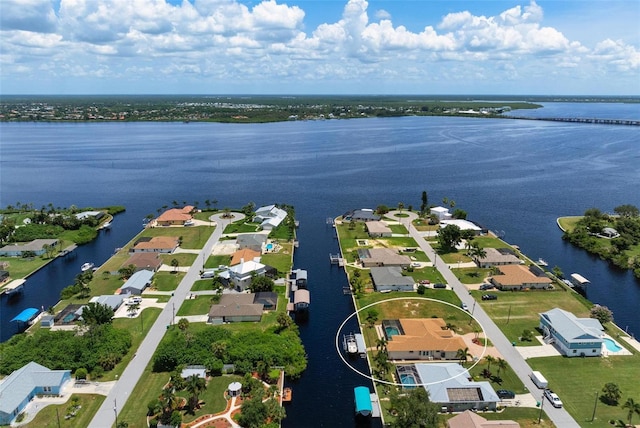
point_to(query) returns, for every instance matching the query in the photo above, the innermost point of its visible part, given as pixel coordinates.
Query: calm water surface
(513, 176)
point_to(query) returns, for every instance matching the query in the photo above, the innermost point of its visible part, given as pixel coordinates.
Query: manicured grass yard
(202, 284)
(184, 259)
(569, 223)
(148, 388)
(215, 261)
(198, 306)
(515, 311)
(167, 281)
(47, 417)
(193, 237)
(576, 381)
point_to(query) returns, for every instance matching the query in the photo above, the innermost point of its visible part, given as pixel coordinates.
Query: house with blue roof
(572, 336)
(137, 282)
(449, 385)
(21, 386)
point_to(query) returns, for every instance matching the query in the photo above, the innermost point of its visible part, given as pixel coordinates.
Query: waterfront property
(364, 214)
(157, 244)
(98, 215)
(37, 247)
(269, 217)
(240, 275)
(449, 385)
(298, 278)
(441, 213)
(147, 261)
(390, 278)
(463, 225)
(253, 241)
(175, 216)
(114, 301)
(573, 336)
(519, 277)
(378, 229)
(137, 283)
(421, 339)
(24, 384)
(244, 254)
(497, 257)
(382, 257)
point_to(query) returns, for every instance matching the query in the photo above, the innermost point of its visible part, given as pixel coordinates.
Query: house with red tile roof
(157, 244)
(421, 339)
(175, 216)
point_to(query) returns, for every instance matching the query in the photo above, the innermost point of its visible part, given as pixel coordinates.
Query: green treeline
(615, 238)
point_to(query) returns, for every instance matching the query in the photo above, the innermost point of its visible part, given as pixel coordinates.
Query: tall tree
(425, 202)
(632, 407)
(611, 393)
(195, 386)
(462, 355)
(96, 314)
(448, 237)
(414, 410)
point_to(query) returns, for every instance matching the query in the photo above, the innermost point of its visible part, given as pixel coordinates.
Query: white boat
(350, 344)
(86, 266)
(542, 262)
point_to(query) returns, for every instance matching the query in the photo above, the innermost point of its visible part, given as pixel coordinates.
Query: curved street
(106, 415)
(560, 417)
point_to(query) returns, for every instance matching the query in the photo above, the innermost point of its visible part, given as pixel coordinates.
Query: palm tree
(381, 344)
(174, 264)
(218, 349)
(462, 355)
(502, 364)
(195, 386)
(489, 359)
(132, 309)
(634, 408)
(169, 402)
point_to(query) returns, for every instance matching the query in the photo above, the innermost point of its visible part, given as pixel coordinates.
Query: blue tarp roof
(363, 400)
(25, 315)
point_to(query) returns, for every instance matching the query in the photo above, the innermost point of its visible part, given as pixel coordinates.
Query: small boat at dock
(349, 344)
(86, 266)
(541, 262)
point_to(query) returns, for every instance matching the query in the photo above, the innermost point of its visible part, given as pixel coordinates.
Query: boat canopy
(363, 400)
(26, 315)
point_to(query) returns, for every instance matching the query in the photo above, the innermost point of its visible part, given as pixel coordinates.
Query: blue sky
(555, 47)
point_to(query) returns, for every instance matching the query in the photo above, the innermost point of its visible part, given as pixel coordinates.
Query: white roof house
(573, 336)
(269, 216)
(17, 389)
(462, 224)
(240, 275)
(441, 212)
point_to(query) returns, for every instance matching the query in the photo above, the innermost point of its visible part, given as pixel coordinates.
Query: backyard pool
(391, 331)
(269, 246)
(408, 380)
(611, 345)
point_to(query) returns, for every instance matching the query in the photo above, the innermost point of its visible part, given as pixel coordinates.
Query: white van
(539, 380)
(208, 274)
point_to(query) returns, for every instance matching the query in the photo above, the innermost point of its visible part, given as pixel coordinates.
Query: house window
(47, 389)
(574, 351)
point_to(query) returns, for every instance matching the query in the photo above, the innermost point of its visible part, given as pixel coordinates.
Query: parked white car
(553, 398)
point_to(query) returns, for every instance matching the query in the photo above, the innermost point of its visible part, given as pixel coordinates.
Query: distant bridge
(582, 120)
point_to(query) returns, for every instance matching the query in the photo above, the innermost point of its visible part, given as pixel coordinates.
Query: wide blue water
(513, 176)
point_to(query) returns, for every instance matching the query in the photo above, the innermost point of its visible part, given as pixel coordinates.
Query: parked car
(415, 264)
(486, 286)
(425, 282)
(489, 297)
(553, 398)
(505, 394)
(439, 285)
(464, 306)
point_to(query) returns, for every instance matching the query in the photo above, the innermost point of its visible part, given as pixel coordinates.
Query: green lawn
(198, 306)
(282, 260)
(193, 237)
(241, 227)
(576, 381)
(202, 284)
(516, 311)
(569, 223)
(398, 228)
(508, 378)
(215, 261)
(53, 416)
(184, 259)
(148, 388)
(20, 267)
(471, 275)
(167, 281)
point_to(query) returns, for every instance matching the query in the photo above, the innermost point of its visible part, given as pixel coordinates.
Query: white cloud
(224, 38)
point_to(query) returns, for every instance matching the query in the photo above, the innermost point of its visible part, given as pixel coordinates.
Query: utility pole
(595, 403)
(541, 406)
(115, 410)
(509, 316)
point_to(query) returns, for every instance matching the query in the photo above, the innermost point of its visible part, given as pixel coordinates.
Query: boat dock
(579, 281)
(67, 250)
(335, 259)
(14, 287)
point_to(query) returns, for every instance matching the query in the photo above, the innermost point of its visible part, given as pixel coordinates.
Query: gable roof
(495, 255)
(157, 243)
(231, 305)
(514, 275)
(573, 328)
(19, 384)
(176, 214)
(383, 256)
(144, 260)
(469, 419)
(138, 281)
(244, 239)
(377, 226)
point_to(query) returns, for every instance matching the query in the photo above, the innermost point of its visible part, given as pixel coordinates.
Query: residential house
(252, 241)
(520, 277)
(241, 274)
(37, 246)
(114, 301)
(363, 214)
(157, 244)
(146, 261)
(498, 257)
(88, 214)
(421, 339)
(24, 384)
(244, 254)
(235, 308)
(449, 385)
(377, 229)
(463, 225)
(440, 212)
(175, 216)
(137, 283)
(573, 336)
(269, 217)
(382, 257)
(390, 278)
(195, 370)
(268, 300)
(469, 419)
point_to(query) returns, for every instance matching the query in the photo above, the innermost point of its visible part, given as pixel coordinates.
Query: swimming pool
(269, 247)
(408, 380)
(611, 345)
(391, 331)
(69, 317)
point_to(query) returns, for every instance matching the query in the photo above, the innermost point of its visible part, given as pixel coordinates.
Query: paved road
(560, 417)
(121, 392)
